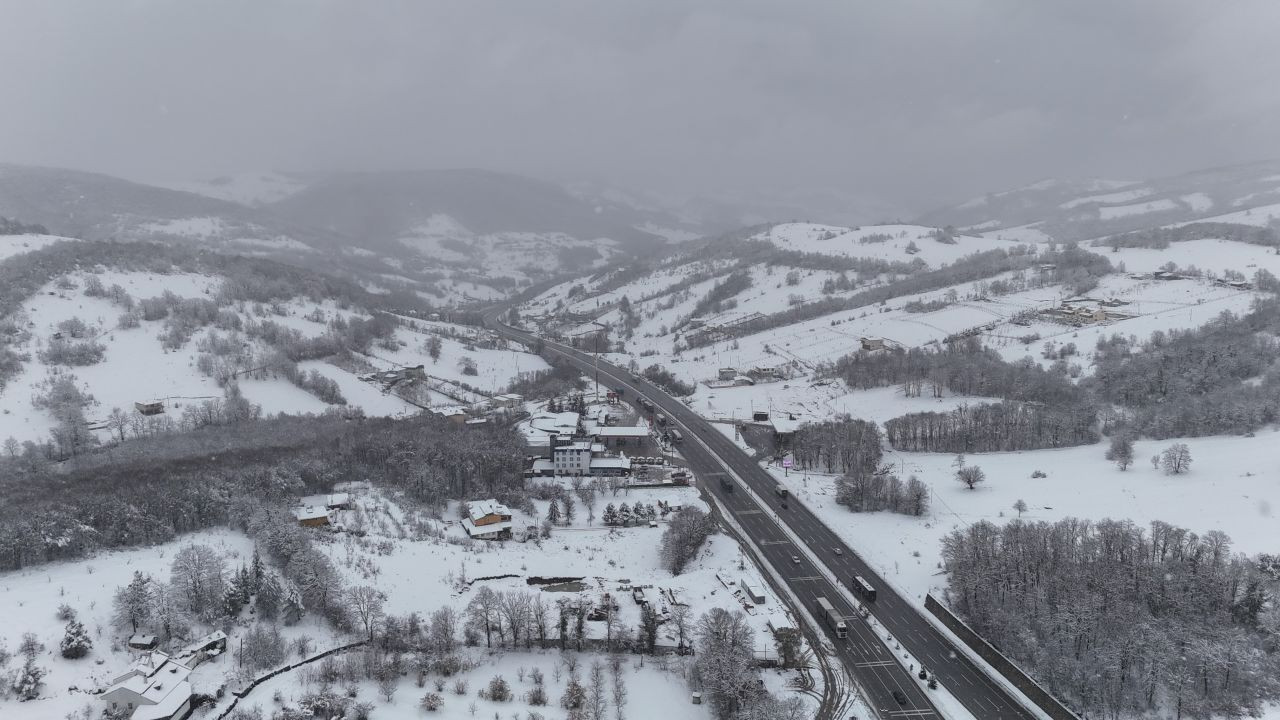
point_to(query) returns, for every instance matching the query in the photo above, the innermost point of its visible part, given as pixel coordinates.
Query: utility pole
(596, 361)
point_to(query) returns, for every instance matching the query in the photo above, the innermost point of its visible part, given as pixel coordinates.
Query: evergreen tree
(76, 642)
(133, 601)
(553, 512)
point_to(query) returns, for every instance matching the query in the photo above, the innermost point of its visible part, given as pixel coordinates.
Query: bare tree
(971, 475)
(619, 688)
(365, 604)
(597, 707)
(1176, 459)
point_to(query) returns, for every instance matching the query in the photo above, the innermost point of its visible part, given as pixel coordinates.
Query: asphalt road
(709, 454)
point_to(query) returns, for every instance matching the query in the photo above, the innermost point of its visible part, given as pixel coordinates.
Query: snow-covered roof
(168, 705)
(562, 422)
(311, 512)
(542, 465)
(611, 462)
(329, 500)
(449, 410)
(477, 509)
(785, 425)
(509, 397)
(622, 431)
(478, 530)
(161, 681)
(196, 646)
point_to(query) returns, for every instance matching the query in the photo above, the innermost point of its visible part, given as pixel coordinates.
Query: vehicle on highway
(899, 697)
(837, 551)
(864, 588)
(780, 491)
(785, 506)
(662, 419)
(832, 618)
(795, 559)
(726, 484)
(676, 437)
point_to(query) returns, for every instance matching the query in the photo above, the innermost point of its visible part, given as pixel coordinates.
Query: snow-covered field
(11, 245)
(1233, 486)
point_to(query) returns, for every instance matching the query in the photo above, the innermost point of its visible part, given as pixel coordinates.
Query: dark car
(900, 697)
(785, 505)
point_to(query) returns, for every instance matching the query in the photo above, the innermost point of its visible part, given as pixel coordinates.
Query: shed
(142, 641)
(150, 407)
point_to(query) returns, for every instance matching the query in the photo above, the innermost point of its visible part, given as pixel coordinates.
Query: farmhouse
(455, 414)
(155, 688)
(331, 501)
(870, 344)
(727, 373)
(487, 520)
(312, 516)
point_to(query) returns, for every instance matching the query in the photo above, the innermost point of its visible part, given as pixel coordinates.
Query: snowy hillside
(1094, 208)
(123, 336)
(251, 189)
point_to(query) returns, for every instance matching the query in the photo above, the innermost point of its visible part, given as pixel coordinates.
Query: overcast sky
(913, 102)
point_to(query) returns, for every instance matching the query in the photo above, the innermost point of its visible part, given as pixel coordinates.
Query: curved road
(893, 691)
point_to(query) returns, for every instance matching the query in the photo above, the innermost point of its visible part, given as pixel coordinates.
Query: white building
(573, 457)
(154, 688)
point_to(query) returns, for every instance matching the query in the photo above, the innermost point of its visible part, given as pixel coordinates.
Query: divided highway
(893, 691)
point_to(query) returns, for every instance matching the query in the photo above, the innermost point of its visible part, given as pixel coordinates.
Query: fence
(1003, 665)
(237, 696)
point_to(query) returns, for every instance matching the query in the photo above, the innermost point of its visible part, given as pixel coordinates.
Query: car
(837, 551)
(795, 559)
(899, 697)
(785, 505)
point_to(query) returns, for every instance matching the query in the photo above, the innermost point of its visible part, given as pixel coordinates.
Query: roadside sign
(786, 461)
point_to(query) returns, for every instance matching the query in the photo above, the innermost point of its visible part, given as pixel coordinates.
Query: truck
(833, 620)
(864, 588)
(726, 484)
(662, 419)
(780, 491)
(676, 436)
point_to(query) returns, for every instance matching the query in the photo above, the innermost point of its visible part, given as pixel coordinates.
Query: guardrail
(1001, 664)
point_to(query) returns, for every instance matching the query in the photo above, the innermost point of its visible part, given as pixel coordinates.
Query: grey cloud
(911, 101)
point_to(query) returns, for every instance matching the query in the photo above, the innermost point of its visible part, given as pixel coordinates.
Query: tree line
(1123, 621)
(993, 427)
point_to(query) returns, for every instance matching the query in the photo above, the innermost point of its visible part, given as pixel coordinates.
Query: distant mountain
(382, 207)
(252, 189)
(448, 236)
(1075, 210)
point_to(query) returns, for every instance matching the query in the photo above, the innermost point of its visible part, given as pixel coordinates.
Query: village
(621, 466)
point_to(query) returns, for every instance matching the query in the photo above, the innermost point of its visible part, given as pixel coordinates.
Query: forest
(962, 367)
(1159, 238)
(158, 485)
(1216, 379)
(993, 427)
(1122, 620)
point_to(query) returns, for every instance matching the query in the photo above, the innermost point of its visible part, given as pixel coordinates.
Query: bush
(65, 352)
(498, 689)
(431, 702)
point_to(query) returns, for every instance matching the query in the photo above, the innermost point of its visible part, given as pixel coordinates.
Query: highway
(890, 688)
